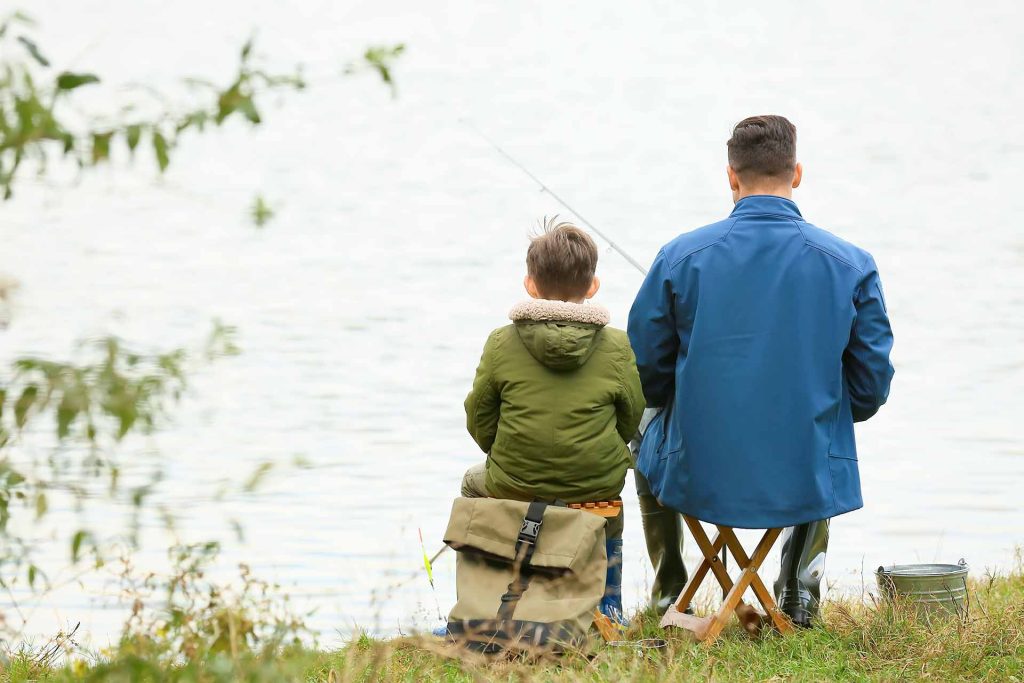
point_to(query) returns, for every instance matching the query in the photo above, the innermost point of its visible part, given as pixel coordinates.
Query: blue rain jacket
(763, 338)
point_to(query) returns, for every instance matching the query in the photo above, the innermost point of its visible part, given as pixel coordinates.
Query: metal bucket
(934, 589)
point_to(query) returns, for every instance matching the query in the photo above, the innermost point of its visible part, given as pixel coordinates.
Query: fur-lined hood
(546, 310)
(559, 334)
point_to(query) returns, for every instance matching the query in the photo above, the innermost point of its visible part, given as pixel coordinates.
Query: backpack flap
(491, 526)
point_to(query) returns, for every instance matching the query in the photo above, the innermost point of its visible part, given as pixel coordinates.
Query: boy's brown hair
(562, 260)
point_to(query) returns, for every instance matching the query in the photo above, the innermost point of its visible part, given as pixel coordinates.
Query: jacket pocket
(845, 484)
(841, 443)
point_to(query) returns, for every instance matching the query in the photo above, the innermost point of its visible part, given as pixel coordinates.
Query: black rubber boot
(663, 532)
(798, 588)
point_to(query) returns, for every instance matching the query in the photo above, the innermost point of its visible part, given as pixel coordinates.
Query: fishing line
(545, 188)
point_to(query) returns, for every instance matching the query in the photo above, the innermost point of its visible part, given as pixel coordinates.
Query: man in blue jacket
(761, 339)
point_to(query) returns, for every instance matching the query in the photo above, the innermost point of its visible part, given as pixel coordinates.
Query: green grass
(856, 642)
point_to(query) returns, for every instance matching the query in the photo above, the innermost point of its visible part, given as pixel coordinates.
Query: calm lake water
(399, 241)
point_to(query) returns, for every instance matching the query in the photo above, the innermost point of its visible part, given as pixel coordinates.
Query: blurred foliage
(260, 211)
(379, 59)
(197, 618)
(81, 412)
(179, 620)
(38, 122)
(91, 407)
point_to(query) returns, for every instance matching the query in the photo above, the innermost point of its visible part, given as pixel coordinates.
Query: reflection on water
(399, 243)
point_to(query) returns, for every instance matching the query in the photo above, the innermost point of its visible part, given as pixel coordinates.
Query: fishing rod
(611, 242)
(545, 188)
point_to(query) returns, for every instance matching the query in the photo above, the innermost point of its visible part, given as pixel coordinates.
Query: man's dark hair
(763, 146)
(561, 260)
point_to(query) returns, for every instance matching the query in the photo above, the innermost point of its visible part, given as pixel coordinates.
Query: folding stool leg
(724, 534)
(697, 577)
(764, 596)
(742, 583)
(709, 549)
(675, 616)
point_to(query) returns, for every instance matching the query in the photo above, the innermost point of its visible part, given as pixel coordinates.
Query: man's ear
(531, 287)
(594, 286)
(798, 175)
(734, 179)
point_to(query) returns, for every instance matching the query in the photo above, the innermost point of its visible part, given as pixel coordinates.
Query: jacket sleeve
(483, 405)
(629, 404)
(652, 332)
(866, 366)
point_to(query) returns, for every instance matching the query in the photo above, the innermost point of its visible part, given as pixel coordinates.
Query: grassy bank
(855, 643)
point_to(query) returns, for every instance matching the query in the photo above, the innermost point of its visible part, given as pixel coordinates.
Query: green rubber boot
(663, 532)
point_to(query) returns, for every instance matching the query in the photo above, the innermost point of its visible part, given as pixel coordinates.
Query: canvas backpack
(529, 576)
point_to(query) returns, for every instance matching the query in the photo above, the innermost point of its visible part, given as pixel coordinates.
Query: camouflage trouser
(474, 485)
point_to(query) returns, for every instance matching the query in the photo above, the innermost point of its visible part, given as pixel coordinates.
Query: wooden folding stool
(708, 629)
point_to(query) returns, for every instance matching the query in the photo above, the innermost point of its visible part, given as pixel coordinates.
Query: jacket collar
(559, 311)
(766, 204)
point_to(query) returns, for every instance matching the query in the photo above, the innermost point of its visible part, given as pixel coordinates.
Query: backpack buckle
(529, 531)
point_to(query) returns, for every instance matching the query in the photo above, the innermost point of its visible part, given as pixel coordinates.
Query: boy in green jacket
(557, 395)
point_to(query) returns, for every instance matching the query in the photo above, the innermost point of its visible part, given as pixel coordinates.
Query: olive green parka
(555, 401)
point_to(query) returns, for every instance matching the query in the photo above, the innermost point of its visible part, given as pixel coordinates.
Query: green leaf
(248, 107)
(33, 50)
(126, 420)
(257, 476)
(70, 81)
(160, 149)
(196, 119)
(379, 58)
(13, 477)
(33, 571)
(24, 404)
(23, 18)
(139, 495)
(76, 543)
(228, 102)
(66, 414)
(42, 504)
(246, 49)
(131, 135)
(261, 212)
(101, 147)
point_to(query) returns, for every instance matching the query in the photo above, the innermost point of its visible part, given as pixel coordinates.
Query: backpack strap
(526, 543)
